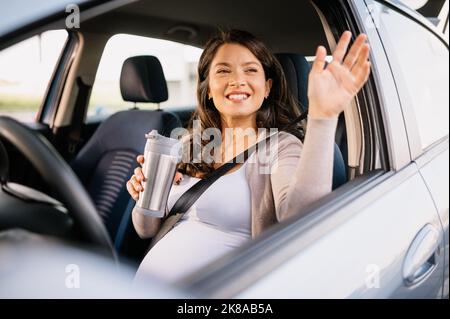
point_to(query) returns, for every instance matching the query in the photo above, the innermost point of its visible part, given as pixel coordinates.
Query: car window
(179, 63)
(423, 66)
(25, 71)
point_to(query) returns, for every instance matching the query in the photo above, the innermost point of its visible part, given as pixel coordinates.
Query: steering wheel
(58, 175)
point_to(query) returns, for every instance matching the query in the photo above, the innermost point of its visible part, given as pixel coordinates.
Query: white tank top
(218, 222)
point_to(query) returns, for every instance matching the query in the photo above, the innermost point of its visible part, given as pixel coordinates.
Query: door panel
(435, 172)
(363, 255)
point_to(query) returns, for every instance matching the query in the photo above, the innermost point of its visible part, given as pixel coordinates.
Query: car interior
(102, 151)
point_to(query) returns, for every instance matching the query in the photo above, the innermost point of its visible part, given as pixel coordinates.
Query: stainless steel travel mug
(161, 156)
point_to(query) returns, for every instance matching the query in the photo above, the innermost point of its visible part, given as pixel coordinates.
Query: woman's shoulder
(282, 147)
(282, 142)
(288, 137)
(283, 136)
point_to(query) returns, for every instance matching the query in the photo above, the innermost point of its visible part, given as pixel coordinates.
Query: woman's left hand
(332, 88)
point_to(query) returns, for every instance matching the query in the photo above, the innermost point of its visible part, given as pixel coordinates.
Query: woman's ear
(268, 87)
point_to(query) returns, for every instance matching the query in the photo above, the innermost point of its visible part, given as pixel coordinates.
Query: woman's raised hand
(332, 88)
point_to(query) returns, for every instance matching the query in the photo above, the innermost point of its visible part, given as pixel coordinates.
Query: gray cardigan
(299, 174)
(303, 174)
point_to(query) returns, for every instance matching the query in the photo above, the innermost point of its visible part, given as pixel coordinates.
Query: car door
(378, 236)
(420, 66)
(434, 169)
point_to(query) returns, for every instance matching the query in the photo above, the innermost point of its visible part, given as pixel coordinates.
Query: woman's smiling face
(237, 83)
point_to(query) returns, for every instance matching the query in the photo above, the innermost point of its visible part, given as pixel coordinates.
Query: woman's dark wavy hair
(277, 110)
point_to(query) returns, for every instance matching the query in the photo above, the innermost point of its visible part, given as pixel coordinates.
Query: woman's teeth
(238, 97)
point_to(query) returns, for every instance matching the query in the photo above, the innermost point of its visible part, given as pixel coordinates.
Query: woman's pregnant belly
(188, 247)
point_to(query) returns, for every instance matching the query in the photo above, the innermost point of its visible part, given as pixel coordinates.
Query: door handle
(421, 258)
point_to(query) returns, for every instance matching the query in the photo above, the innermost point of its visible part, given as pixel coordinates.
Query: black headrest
(296, 69)
(142, 80)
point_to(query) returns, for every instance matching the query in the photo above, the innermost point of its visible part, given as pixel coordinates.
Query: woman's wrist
(313, 114)
(324, 120)
(322, 126)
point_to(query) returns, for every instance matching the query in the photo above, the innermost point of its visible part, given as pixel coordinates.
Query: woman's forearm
(145, 226)
(314, 173)
(304, 172)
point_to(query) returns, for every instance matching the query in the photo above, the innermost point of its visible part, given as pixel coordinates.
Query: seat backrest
(296, 69)
(108, 159)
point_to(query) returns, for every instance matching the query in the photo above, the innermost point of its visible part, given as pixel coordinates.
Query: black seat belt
(189, 197)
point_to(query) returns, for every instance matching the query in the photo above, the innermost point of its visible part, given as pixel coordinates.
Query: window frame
(44, 100)
(384, 101)
(409, 113)
(55, 88)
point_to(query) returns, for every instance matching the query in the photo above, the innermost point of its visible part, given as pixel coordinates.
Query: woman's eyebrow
(227, 64)
(221, 64)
